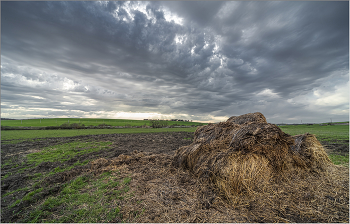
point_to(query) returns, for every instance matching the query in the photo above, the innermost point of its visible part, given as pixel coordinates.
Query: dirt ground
(168, 194)
(340, 147)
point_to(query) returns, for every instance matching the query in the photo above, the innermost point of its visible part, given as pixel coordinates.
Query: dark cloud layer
(211, 60)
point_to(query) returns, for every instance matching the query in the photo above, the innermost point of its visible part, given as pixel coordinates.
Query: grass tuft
(85, 200)
(339, 159)
(64, 152)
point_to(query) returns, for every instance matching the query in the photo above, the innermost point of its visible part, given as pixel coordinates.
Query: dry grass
(248, 118)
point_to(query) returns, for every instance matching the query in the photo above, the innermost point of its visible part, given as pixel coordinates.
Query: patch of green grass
(29, 196)
(61, 153)
(339, 159)
(37, 176)
(126, 180)
(16, 136)
(6, 176)
(60, 170)
(84, 200)
(11, 162)
(21, 189)
(336, 122)
(5, 164)
(15, 203)
(323, 133)
(14, 141)
(64, 152)
(22, 169)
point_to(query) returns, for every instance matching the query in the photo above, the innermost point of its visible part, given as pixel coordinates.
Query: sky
(201, 60)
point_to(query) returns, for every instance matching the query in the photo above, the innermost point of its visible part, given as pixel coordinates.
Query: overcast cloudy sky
(199, 60)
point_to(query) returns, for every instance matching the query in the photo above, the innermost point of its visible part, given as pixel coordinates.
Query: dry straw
(245, 154)
(266, 173)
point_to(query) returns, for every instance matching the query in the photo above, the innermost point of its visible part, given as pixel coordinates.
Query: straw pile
(245, 154)
(310, 153)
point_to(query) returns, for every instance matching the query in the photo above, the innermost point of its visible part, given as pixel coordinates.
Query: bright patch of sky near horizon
(202, 61)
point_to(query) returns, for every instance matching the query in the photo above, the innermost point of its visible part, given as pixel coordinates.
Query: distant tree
(158, 124)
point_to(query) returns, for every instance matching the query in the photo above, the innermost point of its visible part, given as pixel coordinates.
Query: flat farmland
(329, 133)
(126, 175)
(87, 122)
(15, 136)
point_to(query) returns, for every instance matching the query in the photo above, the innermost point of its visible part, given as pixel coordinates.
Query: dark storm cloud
(224, 58)
(296, 40)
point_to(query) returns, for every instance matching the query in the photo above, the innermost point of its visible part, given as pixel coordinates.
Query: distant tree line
(158, 123)
(154, 124)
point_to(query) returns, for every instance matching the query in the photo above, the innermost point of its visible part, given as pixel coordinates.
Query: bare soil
(167, 194)
(340, 147)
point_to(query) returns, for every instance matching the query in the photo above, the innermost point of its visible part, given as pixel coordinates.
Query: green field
(323, 133)
(14, 136)
(86, 122)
